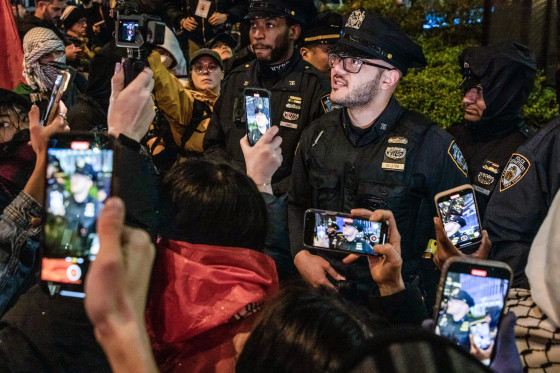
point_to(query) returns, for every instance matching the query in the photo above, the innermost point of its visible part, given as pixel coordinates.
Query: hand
(313, 269)
(386, 268)
(131, 109)
(40, 135)
(217, 19)
(446, 249)
(479, 353)
(72, 52)
(116, 289)
(189, 23)
(263, 159)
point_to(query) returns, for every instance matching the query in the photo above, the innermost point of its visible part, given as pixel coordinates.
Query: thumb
(34, 118)
(117, 82)
(110, 228)
(244, 142)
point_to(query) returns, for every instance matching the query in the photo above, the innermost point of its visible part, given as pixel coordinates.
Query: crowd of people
(199, 262)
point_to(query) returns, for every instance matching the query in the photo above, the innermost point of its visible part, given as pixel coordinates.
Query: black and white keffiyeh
(38, 42)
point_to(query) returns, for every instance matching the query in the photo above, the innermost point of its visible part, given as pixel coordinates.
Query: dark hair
(308, 330)
(11, 103)
(212, 203)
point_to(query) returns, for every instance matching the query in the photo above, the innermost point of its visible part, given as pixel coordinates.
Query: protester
(172, 56)
(75, 25)
(224, 44)
(372, 154)
(44, 58)
(186, 110)
(497, 80)
(203, 21)
(20, 223)
(47, 14)
(295, 86)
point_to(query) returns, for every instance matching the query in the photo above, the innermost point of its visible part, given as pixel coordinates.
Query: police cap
(463, 296)
(356, 224)
(326, 30)
(369, 36)
(303, 12)
(457, 219)
(84, 168)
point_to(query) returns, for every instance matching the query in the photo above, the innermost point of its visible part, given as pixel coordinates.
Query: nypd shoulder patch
(514, 171)
(455, 154)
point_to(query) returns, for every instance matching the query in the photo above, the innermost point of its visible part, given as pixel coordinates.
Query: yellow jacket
(176, 102)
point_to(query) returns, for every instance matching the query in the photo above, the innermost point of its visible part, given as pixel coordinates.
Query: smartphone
(78, 181)
(328, 230)
(458, 212)
(60, 85)
(470, 301)
(257, 108)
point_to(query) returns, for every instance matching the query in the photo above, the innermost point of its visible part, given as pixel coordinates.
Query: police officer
(497, 82)
(371, 154)
(350, 240)
(317, 40)
(81, 209)
(295, 86)
(528, 184)
(455, 323)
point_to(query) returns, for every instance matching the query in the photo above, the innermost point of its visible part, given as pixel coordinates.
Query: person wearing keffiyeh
(43, 58)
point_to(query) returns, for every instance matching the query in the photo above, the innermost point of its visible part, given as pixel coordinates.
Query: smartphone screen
(257, 107)
(341, 232)
(471, 303)
(78, 181)
(460, 217)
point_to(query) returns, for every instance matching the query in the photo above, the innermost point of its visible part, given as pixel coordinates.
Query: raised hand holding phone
(385, 268)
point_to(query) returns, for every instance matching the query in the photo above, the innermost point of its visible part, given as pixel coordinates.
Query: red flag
(11, 51)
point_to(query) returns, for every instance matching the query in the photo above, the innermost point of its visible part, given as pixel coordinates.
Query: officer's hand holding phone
(131, 109)
(263, 159)
(385, 268)
(446, 249)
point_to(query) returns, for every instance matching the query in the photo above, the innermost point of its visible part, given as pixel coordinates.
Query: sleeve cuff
(25, 211)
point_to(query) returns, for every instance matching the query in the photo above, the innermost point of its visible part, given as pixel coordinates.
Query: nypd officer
(454, 324)
(518, 206)
(296, 87)
(371, 154)
(496, 83)
(318, 39)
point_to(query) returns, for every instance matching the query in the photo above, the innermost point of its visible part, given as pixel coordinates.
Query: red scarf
(199, 289)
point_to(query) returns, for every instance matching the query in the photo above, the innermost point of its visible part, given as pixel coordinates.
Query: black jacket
(296, 93)
(30, 21)
(527, 186)
(176, 10)
(400, 164)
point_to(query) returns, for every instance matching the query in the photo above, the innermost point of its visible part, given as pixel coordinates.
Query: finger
(386, 215)
(110, 227)
(389, 252)
(143, 80)
(245, 146)
(34, 117)
(334, 274)
(350, 258)
(276, 141)
(361, 212)
(62, 108)
(268, 135)
(117, 82)
(485, 246)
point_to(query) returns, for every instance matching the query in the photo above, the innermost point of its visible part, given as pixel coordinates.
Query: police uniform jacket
(296, 99)
(521, 201)
(399, 165)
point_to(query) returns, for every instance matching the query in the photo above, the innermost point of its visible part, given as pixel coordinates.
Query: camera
(138, 33)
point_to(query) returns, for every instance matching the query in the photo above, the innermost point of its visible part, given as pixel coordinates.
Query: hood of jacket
(196, 288)
(171, 44)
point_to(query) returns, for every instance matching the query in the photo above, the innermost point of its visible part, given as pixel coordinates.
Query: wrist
(392, 287)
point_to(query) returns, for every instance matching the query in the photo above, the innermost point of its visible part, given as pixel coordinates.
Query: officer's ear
(294, 31)
(304, 52)
(390, 78)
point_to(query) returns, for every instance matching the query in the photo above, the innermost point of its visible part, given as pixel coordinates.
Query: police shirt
(517, 208)
(399, 165)
(297, 99)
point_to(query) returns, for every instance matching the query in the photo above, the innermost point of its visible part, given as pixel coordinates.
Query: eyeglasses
(200, 68)
(352, 64)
